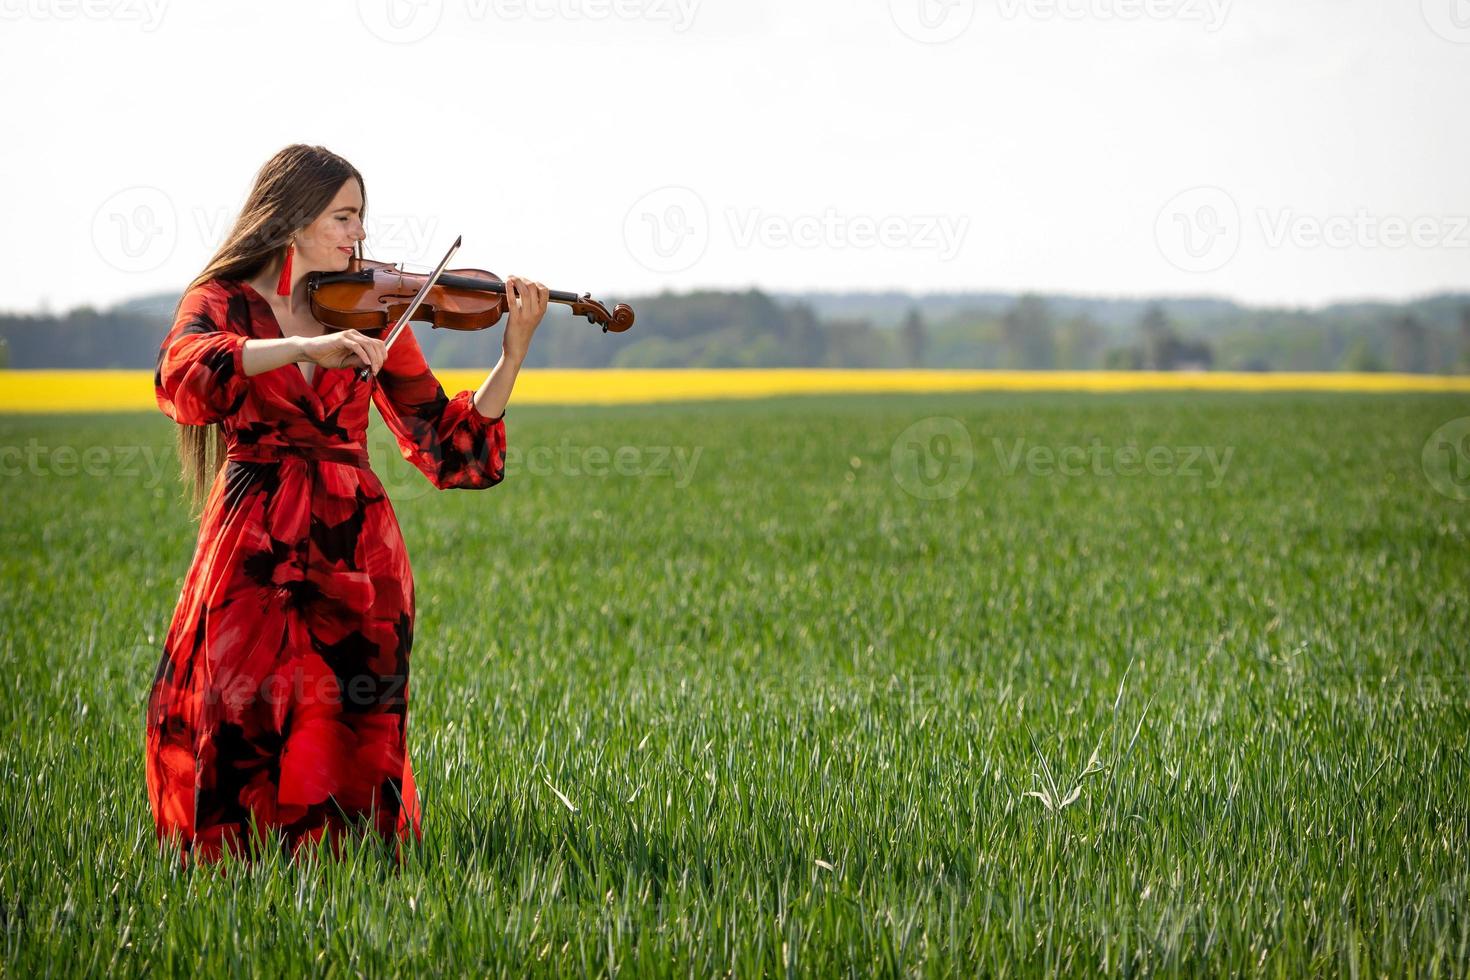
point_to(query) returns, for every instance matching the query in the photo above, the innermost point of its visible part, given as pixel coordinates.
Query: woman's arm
(444, 437)
(199, 375)
(490, 399)
(262, 355)
(334, 349)
(527, 303)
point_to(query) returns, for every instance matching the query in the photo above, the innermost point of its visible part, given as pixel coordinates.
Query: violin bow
(365, 372)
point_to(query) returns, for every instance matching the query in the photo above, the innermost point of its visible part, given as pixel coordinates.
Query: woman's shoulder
(220, 300)
(223, 288)
(208, 292)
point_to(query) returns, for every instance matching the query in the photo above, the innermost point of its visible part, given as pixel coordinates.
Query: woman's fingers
(530, 297)
(351, 345)
(357, 351)
(348, 348)
(527, 301)
(377, 350)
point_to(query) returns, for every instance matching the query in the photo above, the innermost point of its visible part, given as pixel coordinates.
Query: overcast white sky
(1284, 152)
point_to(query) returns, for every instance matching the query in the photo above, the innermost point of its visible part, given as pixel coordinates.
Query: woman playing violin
(280, 703)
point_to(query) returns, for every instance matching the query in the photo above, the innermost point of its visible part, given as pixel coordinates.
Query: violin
(372, 295)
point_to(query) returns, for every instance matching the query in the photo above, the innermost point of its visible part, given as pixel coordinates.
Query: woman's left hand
(527, 301)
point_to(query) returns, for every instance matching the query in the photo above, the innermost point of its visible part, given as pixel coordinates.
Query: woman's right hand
(345, 348)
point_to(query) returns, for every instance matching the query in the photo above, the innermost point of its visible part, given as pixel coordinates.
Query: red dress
(282, 694)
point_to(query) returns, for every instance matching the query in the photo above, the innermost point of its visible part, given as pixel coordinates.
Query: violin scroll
(620, 319)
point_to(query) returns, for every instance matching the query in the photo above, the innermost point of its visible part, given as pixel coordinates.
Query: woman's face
(325, 245)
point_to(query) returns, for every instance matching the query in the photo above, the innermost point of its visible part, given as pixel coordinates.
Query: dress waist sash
(273, 452)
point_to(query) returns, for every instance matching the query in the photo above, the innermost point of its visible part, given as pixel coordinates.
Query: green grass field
(806, 721)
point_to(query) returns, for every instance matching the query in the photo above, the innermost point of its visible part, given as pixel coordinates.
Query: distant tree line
(715, 329)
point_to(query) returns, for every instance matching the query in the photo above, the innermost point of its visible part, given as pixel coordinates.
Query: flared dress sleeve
(449, 440)
(199, 376)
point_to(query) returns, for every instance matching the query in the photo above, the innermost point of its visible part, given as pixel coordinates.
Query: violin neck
(468, 282)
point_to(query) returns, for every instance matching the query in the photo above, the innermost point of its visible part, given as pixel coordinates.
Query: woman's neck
(265, 284)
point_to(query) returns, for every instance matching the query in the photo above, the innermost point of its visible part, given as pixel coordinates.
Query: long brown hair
(291, 189)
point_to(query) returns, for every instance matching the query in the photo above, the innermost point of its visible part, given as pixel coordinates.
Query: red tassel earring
(283, 285)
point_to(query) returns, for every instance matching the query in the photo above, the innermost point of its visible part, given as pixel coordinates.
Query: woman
(281, 699)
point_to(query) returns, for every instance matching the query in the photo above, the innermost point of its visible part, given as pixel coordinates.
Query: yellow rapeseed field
(126, 391)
